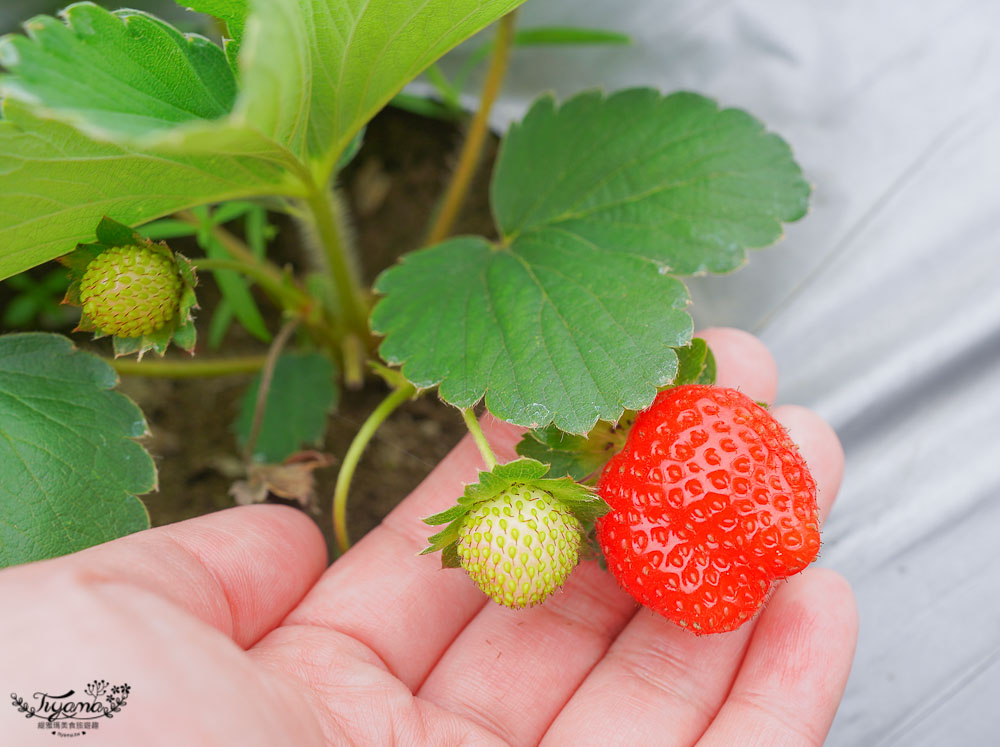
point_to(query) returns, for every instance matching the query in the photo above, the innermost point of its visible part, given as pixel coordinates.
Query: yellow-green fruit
(520, 546)
(130, 291)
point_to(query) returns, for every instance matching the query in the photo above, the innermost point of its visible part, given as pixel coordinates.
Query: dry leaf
(293, 480)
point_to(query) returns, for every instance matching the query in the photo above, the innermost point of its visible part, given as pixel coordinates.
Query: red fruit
(710, 502)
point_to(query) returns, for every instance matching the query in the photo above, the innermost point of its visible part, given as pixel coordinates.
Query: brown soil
(391, 190)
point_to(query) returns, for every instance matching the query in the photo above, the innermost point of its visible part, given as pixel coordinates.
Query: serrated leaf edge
(536, 437)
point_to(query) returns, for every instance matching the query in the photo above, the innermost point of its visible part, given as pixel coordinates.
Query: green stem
(260, 406)
(239, 251)
(354, 357)
(353, 456)
(189, 369)
(276, 283)
(233, 245)
(286, 295)
(353, 305)
(475, 139)
(480, 438)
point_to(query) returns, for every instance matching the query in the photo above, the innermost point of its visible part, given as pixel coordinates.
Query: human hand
(230, 630)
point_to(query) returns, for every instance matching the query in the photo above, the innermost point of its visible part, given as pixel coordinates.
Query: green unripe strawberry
(130, 291)
(520, 546)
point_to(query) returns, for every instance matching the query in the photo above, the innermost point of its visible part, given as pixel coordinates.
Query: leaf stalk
(266, 377)
(472, 149)
(353, 456)
(189, 369)
(286, 295)
(351, 299)
(480, 438)
(242, 254)
(279, 286)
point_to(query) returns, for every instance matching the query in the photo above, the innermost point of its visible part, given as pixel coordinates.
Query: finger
(795, 670)
(511, 671)
(819, 446)
(401, 605)
(660, 679)
(742, 362)
(240, 570)
(549, 650)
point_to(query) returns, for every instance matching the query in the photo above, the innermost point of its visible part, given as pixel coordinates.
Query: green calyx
(517, 533)
(519, 547)
(130, 291)
(133, 289)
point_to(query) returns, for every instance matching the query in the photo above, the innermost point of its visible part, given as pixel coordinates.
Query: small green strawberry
(520, 546)
(516, 533)
(130, 291)
(139, 292)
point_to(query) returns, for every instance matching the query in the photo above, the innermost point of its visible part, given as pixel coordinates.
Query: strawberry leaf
(70, 468)
(316, 71)
(686, 185)
(144, 130)
(574, 315)
(580, 457)
(696, 364)
(303, 393)
(233, 13)
(58, 182)
(566, 454)
(128, 73)
(536, 327)
(152, 121)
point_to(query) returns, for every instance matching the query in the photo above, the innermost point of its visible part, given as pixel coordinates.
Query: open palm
(231, 630)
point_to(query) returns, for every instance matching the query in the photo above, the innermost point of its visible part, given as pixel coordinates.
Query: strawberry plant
(120, 134)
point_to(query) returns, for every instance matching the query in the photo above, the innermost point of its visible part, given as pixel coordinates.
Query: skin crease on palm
(231, 630)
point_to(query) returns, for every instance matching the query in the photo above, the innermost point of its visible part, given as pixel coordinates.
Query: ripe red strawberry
(710, 502)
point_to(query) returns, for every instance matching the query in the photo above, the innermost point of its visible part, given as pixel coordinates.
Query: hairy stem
(233, 245)
(351, 299)
(472, 148)
(189, 369)
(288, 296)
(480, 438)
(278, 285)
(353, 456)
(259, 268)
(260, 406)
(352, 304)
